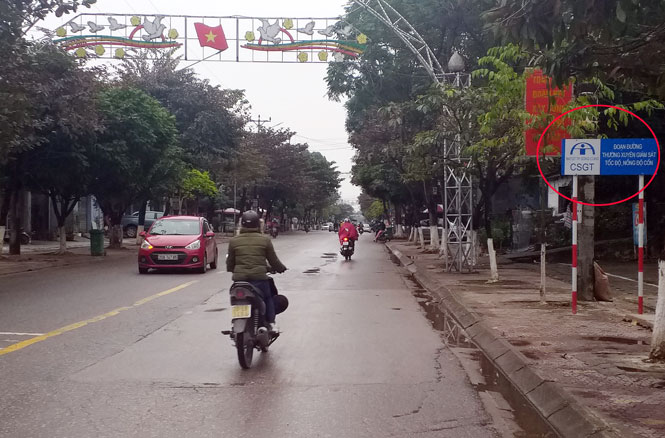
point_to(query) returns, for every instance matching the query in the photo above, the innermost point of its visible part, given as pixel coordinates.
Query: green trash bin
(97, 243)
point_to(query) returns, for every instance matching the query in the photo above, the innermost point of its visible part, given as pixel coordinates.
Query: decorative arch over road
(224, 39)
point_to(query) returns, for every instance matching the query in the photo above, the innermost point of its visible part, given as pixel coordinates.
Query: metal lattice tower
(457, 246)
(391, 18)
(458, 249)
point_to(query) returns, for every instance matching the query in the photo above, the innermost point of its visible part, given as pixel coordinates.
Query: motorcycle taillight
(240, 293)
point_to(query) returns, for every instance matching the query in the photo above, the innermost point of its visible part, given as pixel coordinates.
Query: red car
(178, 242)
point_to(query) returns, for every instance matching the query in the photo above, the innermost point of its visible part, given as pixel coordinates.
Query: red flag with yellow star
(211, 36)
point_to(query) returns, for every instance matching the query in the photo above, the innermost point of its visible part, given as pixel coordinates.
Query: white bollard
(494, 271)
(658, 337)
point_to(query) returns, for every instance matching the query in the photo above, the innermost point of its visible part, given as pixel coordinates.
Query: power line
(327, 140)
(335, 149)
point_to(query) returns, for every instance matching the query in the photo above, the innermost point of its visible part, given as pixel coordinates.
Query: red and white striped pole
(640, 249)
(574, 270)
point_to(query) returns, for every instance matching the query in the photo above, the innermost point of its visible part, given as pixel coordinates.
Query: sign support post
(640, 249)
(612, 156)
(574, 260)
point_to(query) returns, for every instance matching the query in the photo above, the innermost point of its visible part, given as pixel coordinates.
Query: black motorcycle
(249, 326)
(23, 237)
(383, 236)
(347, 249)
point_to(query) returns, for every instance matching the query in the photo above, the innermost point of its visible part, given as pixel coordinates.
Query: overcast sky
(291, 95)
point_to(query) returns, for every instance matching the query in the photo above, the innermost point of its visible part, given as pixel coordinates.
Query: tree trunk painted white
(139, 230)
(543, 277)
(658, 337)
(494, 271)
(433, 237)
(2, 238)
(400, 232)
(63, 240)
(411, 234)
(443, 249)
(421, 238)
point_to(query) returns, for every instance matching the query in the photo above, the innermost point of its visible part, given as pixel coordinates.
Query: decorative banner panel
(537, 100)
(230, 39)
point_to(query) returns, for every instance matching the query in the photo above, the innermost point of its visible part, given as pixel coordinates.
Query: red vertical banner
(537, 100)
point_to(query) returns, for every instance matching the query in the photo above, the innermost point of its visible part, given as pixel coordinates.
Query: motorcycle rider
(348, 230)
(273, 227)
(247, 257)
(380, 229)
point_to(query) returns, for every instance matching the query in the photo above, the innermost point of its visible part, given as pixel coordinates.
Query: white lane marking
(21, 334)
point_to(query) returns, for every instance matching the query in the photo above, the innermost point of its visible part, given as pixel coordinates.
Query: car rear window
(176, 228)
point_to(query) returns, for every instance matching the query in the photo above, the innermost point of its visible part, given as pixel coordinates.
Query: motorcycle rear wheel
(245, 347)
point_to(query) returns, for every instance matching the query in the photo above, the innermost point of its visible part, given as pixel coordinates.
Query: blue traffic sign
(613, 156)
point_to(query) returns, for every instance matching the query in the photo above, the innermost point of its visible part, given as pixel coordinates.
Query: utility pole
(259, 122)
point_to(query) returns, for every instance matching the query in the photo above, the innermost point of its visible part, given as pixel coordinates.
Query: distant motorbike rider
(247, 256)
(349, 231)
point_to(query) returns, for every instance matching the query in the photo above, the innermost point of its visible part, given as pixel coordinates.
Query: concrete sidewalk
(584, 373)
(41, 255)
(46, 246)
(38, 257)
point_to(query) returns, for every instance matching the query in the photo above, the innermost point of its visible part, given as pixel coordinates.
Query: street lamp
(456, 63)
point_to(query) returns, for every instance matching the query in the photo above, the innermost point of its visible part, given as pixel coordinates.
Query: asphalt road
(128, 355)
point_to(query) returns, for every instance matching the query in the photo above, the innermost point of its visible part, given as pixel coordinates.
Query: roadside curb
(558, 407)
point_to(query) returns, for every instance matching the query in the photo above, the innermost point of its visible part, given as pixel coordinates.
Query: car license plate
(167, 256)
(346, 243)
(244, 311)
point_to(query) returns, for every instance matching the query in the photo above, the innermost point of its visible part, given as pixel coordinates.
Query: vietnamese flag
(211, 36)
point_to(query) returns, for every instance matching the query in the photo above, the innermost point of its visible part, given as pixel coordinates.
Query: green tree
(196, 185)
(319, 187)
(375, 210)
(58, 165)
(210, 119)
(22, 83)
(365, 201)
(388, 75)
(138, 142)
(617, 41)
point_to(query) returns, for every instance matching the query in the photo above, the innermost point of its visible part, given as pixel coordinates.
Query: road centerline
(20, 345)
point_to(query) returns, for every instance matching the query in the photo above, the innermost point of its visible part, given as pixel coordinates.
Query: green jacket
(247, 256)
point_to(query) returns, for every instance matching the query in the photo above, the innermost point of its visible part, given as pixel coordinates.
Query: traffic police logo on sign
(581, 157)
(582, 149)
